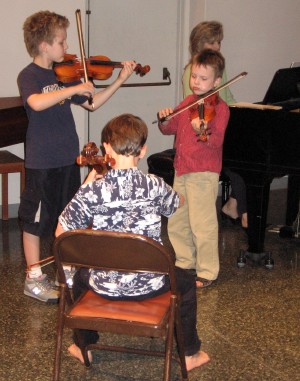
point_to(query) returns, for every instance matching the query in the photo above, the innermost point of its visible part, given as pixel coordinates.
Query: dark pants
(50, 190)
(238, 190)
(293, 198)
(186, 286)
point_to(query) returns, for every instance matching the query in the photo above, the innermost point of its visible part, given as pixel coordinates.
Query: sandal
(205, 282)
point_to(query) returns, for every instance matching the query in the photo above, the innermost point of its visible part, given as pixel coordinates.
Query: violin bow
(42, 263)
(82, 52)
(201, 98)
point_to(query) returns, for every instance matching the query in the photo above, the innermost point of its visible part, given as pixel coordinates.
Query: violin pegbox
(89, 156)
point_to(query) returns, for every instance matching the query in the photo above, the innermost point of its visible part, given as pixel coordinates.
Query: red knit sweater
(191, 155)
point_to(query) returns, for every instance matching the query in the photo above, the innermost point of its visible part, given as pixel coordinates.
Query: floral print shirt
(123, 201)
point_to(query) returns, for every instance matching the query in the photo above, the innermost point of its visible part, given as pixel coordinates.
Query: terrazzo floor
(248, 319)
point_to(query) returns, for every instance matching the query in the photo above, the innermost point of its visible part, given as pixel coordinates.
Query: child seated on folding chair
(125, 199)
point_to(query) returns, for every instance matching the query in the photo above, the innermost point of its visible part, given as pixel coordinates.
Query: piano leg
(257, 201)
(293, 197)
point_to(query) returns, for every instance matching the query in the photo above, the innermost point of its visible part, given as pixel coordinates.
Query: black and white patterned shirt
(122, 201)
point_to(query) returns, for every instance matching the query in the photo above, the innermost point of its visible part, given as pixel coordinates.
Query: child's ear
(217, 82)
(107, 148)
(43, 47)
(143, 151)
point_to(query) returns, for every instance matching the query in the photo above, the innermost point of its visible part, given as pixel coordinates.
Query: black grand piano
(261, 144)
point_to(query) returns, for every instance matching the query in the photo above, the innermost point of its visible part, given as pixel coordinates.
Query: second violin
(98, 67)
(89, 156)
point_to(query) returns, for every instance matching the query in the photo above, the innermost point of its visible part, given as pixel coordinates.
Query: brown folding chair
(155, 317)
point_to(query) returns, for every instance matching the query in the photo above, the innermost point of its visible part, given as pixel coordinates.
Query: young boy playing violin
(52, 144)
(121, 200)
(209, 35)
(193, 230)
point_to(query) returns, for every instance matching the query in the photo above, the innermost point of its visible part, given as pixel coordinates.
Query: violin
(98, 67)
(89, 156)
(201, 98)
(205, 111)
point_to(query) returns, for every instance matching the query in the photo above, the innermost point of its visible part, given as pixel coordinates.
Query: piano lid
(284, 89)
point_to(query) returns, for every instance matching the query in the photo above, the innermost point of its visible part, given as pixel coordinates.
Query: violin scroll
(89, 156)
(142, 70)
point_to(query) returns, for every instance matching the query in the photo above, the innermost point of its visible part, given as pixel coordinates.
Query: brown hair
(205, 32)
(42, 26)
(213, 58)
(126, 133)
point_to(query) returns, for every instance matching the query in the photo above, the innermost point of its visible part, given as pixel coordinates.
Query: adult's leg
(293, 198)
(238, 190)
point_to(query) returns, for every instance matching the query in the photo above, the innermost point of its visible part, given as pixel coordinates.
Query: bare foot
(202, 283)
(198, 359)
(76, 352)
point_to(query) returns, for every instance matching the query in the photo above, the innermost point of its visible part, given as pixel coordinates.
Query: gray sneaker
(69, 274)
(41, 289)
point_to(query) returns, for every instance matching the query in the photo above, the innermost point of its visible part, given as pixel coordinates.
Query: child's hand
(164, 112)
(201, 129)
(85, 88)
(92, 176)
(128, 68)
(196, 123)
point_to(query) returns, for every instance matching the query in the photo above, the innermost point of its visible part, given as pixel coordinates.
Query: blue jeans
(186, 286)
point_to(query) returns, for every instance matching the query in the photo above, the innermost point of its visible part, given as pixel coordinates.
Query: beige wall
(261, 36)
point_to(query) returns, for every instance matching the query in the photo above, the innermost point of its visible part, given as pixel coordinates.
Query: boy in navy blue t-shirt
(52, 145)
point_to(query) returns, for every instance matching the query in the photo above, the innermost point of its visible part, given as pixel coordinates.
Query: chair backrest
(113, 251)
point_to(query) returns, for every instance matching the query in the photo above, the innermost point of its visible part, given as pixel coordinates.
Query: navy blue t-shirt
(51, 140)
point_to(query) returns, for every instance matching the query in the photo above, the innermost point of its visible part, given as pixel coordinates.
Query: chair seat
(149, 311)
(10, 163)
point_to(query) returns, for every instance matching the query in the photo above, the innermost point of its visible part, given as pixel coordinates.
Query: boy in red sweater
(193, 230)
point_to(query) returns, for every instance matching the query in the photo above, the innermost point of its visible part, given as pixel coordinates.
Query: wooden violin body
(205, 111)
(89, 156)
(98, 67)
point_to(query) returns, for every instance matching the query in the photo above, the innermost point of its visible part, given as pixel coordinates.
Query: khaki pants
(193, 229)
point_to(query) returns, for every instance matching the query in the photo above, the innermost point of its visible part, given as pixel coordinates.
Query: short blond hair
(42, 26)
